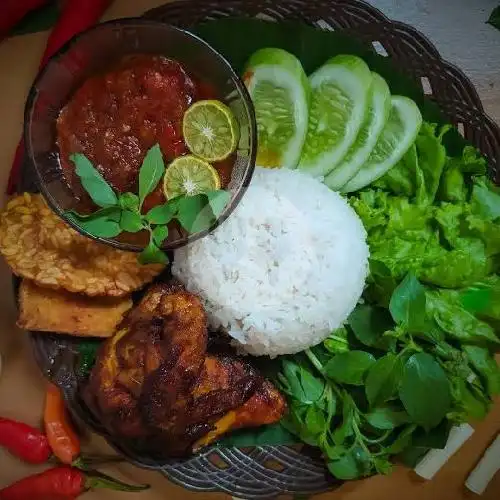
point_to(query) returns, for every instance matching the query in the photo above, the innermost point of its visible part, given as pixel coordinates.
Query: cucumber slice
(339, 105)
(379, 108)
(397, 137)
(280, 92)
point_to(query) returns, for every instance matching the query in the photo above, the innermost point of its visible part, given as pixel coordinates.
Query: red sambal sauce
(116, 117)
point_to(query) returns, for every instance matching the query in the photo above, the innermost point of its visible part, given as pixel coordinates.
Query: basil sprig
(124, 212)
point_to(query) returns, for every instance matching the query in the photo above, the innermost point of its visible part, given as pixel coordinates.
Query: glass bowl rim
(53, 203)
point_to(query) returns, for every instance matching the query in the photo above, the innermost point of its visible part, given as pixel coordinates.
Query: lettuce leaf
(419, 172)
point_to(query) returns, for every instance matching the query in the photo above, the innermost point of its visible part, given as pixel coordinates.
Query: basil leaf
(369, 323)
(218, 201)
(337, 341)
(349, 367)
(407, 303)
(160, 234)
(152, 170)
(315, 420)
(194, 213)
(435, 438)
(387, 418)
(129, 201)
(152, 254)
(402, 441)
(345, 468)
(485, 364)
(161, 214)
(93, 182)
(345, 430)
(382, 466)
(273, 434)
(101, 224)
(425, 390)
(303, 385)
(131, 222)
(383, 379)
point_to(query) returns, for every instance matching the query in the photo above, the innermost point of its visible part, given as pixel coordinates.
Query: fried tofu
(59, 311)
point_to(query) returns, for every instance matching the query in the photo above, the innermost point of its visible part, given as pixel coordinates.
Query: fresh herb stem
(123, 213)
(315, 361)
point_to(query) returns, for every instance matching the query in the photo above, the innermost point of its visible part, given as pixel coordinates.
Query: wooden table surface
(21, 385)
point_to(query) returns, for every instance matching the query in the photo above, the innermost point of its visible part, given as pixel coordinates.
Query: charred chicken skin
(155, 386)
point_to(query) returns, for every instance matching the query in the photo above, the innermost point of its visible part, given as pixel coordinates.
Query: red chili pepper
(24, 441)
(12, 11)
(77, 16)
(62, 483)
(60, 433)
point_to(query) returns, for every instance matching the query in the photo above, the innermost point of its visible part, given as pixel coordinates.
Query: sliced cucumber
(280, 92)
(379, 108)
(398, 135)
(339, 105)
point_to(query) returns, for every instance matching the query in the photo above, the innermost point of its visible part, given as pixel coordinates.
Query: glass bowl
(93, 52)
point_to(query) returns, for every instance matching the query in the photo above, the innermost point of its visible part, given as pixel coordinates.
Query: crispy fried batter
(154, 384)
(59, 311)
(40, 246)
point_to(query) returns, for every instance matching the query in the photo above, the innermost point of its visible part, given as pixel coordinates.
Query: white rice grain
(286, 268)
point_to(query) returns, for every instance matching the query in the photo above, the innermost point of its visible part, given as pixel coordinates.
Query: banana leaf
(237, 39)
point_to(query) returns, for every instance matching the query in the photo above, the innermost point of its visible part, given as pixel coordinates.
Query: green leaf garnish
(160, 234)
(161, 214)
(152, 254)
(407, 304)
(101, 224)
(218, 201)
(151, 172)
(131, 222)
(194, 213)
(123, 212)
(349, 367)
(93, 182)
(129, 201)
(425, 390)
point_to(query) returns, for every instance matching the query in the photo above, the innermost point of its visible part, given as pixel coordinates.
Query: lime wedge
(210, 130)
(279, 90)
(338, 107)
(398, 135)
(189, 175)
(379, 107)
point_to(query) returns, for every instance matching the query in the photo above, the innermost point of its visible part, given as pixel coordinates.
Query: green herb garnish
(123, 212)
(418, 355)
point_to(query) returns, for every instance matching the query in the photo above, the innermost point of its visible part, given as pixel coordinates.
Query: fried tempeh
(44, 309)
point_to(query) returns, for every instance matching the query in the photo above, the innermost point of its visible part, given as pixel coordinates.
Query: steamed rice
(286, 268)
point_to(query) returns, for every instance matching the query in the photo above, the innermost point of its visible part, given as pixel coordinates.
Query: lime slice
(379, 107)
(398, 135)
(210, 130)
(339, 105)
(279, 90)
(189, 175)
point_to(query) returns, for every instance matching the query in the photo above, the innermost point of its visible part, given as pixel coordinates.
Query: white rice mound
(287, 267)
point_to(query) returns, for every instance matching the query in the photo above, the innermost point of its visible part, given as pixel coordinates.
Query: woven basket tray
(267, 471)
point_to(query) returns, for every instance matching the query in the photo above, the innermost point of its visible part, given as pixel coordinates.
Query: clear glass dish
(93, 52)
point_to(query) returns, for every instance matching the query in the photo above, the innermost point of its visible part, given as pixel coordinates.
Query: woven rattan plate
(267, 471)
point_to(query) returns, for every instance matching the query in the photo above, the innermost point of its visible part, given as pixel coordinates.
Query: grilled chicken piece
(154, 383)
